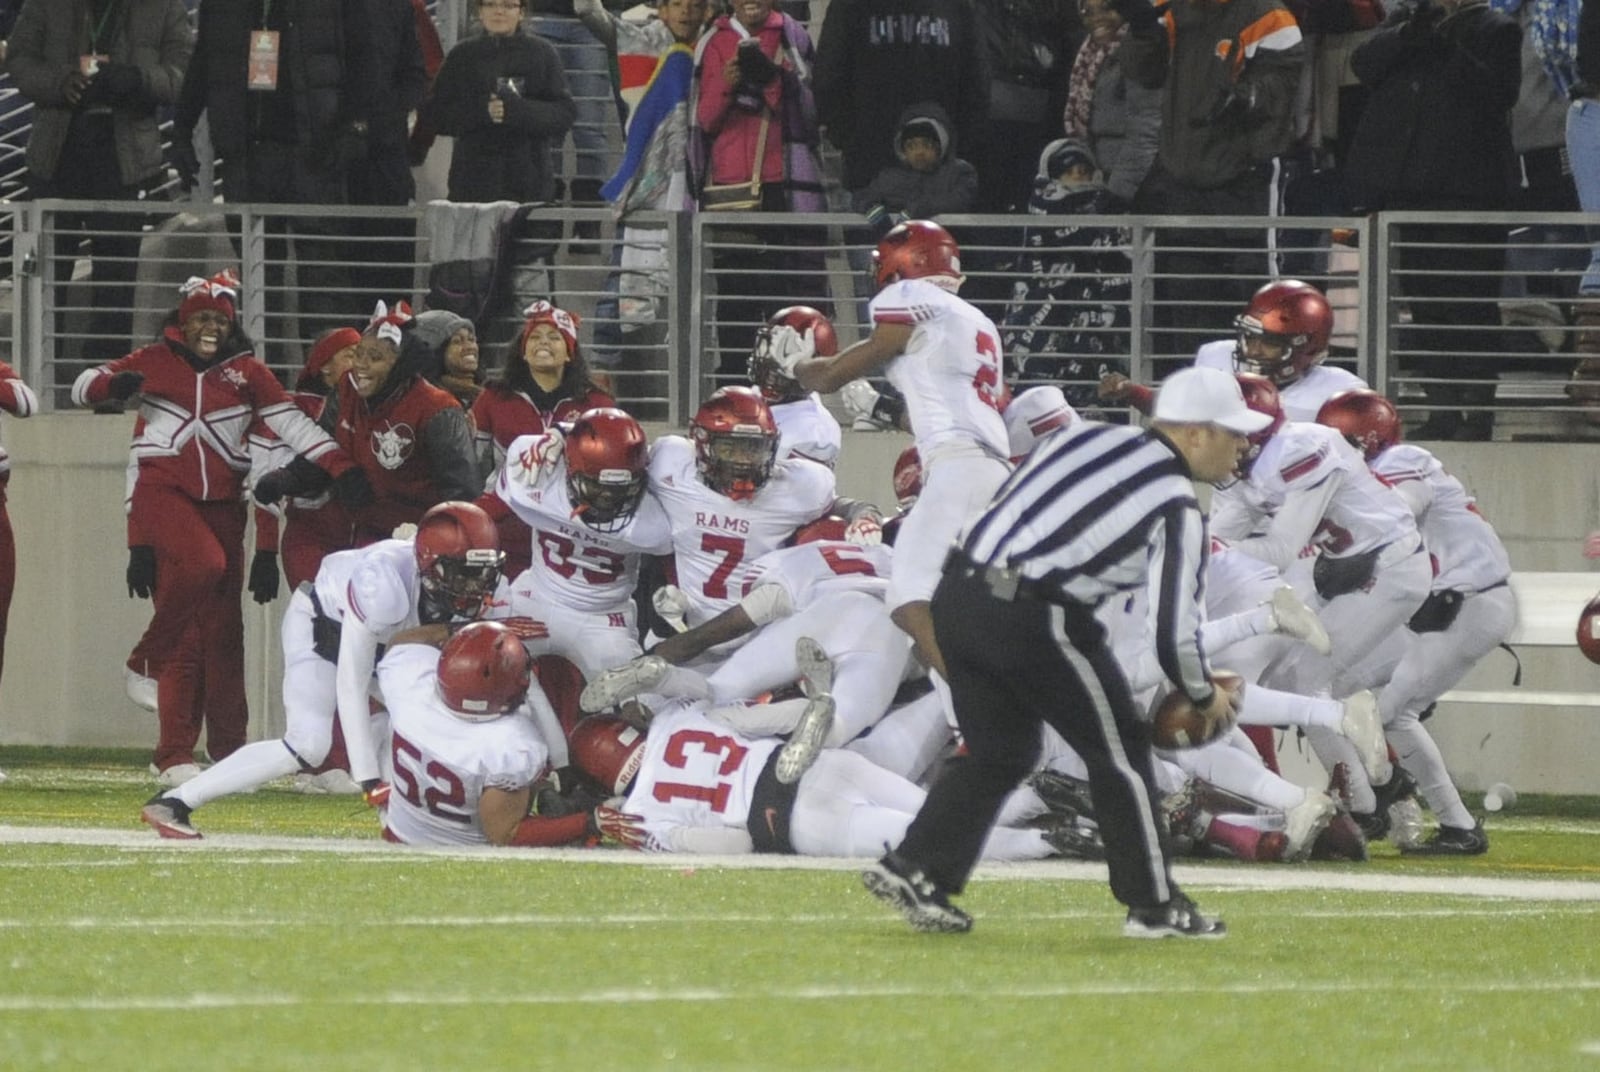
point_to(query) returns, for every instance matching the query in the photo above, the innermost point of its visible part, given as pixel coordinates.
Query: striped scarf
(1080, 84)
(1552, 28)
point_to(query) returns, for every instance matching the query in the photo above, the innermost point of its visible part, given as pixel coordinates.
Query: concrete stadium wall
(72, 623)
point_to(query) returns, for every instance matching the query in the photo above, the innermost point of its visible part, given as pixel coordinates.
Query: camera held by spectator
(756, 71)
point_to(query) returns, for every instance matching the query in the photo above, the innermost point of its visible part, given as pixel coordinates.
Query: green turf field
(292, 939)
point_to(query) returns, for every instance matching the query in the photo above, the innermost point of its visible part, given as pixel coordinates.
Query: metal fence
(1470, 312)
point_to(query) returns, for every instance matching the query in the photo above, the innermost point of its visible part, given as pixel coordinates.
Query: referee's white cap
(1207, 396)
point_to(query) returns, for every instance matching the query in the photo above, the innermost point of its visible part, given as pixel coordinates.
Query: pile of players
(782, 690)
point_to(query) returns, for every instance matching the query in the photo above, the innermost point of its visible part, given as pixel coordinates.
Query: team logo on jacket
(392, 445)
(235, 377)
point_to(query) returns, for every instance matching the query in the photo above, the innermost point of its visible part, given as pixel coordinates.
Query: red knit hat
(219, 293)
(322, 353)
(542, 312)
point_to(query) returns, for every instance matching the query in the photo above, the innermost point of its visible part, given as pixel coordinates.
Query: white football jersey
(1468, 555)
(376, 585)
(696, 772)
(1303, 398)
(575, 566)
(950, 371)
(807, 430)
(812, 570)
(713, 535)
(442, 763)
(1361, 515)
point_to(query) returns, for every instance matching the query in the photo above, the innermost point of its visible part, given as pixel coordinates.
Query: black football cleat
(1178, 918)
(915, 896)
(1454, 841)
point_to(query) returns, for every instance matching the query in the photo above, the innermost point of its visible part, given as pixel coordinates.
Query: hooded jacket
(901, 188)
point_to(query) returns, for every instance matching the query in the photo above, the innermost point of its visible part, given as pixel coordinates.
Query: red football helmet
(483, 671)
(826, 527)
(735, 441)
(917, 249)
(1261, 396)
(608, 750)
(607, 455)
(1364, 417)
(907, 478)
(1291, 315)
(1589, 630)
(458, 557)
(763, 367)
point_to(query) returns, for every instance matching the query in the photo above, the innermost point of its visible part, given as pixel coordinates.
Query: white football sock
(249, 768)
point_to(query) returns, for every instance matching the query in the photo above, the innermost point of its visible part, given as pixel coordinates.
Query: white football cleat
(335, 782)
(1293, 618)
(140, 689)
(610, 687)
(1303, 822)
(1364, 728)
(816, 669)
(805, 743)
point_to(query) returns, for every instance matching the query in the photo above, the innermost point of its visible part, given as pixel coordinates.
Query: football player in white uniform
(943, 355)
(333, 631)
(730, 500)
(697, 786)
(1470, 611)
(583, 493)
(1301, 485)
(827, 589)
(805, 427)
(465, 753)
(1283, 335)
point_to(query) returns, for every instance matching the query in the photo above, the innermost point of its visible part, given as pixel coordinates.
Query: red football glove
(526, 628)
(615, 827)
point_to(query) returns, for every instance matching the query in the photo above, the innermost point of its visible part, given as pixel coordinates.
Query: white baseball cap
(1207, 396)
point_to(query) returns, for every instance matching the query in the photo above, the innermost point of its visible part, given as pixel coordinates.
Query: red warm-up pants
(197, 631)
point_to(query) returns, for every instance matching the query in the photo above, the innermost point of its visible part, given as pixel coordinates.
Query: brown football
(1178, 723)
(1589, 630)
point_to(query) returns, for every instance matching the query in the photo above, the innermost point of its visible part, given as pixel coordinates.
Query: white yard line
(227, 849)
(708, 995)
(690, 919)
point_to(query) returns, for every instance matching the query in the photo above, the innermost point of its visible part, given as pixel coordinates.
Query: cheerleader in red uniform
(201, 389)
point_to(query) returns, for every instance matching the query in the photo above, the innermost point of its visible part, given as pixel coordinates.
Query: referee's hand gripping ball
(1180, 723)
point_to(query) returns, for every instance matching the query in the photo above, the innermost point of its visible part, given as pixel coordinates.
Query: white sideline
(223, 848)
(1293, 984)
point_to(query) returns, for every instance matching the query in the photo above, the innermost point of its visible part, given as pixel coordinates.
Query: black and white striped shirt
(1101, 509)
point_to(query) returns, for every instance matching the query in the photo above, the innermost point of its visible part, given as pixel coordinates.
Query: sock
(1274, 707)
(249, 768)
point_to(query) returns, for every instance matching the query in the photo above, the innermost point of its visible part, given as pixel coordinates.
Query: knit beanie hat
(542, 312)
(219, 293)
(321, 353)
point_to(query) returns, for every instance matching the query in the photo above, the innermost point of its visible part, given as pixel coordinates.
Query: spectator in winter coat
(927, 179)
(454, 343)
(875, 57)
(1119, 119)
(504, 99)
(1436, 135)
(1068, 320)
(1228, 72)
(94, 133)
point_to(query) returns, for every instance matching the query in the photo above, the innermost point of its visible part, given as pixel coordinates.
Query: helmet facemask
(462, 584)
(736, 463)
(765, 373)
(606, 501)
(1280, 369)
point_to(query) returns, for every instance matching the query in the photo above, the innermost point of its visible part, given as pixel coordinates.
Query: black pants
(87, 170)
(1206, 275)
(1013, 666)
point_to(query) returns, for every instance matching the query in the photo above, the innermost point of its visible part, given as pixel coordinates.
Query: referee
(1095, 510)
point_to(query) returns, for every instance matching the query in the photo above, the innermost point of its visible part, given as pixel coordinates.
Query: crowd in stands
(934, 107)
